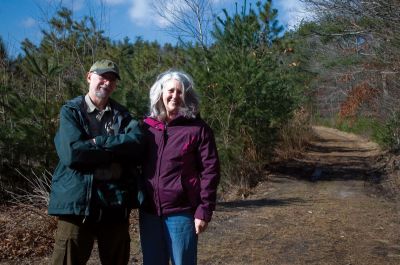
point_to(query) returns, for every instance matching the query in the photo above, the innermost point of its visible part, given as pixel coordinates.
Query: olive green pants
(74, 242)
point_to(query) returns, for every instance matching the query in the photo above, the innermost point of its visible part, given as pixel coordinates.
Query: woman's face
(172, 97)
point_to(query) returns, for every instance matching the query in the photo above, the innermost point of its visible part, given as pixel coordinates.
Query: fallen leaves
(25, 233)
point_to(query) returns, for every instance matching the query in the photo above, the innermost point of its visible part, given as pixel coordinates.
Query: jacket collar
(160, 125)
(91, 107)
(154, 123)
(115, 106)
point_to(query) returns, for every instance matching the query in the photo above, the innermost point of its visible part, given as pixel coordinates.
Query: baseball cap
(104, 66)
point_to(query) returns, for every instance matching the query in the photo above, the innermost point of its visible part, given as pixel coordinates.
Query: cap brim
(100, 72)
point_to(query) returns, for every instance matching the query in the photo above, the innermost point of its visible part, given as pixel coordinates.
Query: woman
(181, 173)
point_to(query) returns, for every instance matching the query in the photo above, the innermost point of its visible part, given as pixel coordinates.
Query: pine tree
(247, 94)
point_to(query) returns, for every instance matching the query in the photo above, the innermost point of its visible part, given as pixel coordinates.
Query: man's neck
(100, 103)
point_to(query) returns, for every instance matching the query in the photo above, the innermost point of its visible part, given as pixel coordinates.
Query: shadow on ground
(223, 206)
(356, 164)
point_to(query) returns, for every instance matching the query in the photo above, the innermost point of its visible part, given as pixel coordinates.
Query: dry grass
(37, 194)
(25, 227)
(294, 136)
(389, 169)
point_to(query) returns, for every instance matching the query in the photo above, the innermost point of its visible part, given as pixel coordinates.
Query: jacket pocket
(192, 189)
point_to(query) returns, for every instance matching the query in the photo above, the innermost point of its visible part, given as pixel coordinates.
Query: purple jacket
(181, 167)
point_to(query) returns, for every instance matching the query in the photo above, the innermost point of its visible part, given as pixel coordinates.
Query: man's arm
(72, 145)
(126, 145)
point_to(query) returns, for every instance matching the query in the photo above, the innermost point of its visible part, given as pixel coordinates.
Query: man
(94, 187)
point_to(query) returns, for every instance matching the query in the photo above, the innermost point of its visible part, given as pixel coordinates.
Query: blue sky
(118, 18)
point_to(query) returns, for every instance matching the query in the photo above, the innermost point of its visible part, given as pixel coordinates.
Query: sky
(118, 18)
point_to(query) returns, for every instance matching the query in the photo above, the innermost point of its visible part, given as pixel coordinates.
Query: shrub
(388, 135)
(249, 91)
(294, 136)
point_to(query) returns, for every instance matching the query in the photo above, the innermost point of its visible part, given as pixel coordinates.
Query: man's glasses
(107, 76)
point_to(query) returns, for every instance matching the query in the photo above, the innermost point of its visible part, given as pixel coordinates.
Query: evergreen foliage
(250, 81)
(249, 91)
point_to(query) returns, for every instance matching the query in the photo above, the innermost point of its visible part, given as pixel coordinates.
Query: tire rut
(293, 219)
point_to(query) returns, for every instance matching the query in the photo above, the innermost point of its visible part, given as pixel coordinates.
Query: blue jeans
(168, 237)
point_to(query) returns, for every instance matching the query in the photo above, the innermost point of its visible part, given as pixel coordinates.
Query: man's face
(101, 86)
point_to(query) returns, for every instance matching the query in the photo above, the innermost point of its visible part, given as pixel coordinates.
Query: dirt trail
(315, 210)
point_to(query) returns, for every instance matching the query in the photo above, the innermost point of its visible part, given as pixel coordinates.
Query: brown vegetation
(294, 136)
(26, 232)
(360, 95)
(341, 217)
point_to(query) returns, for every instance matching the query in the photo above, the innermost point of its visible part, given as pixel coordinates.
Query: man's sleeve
(128, 144)
(73, 147)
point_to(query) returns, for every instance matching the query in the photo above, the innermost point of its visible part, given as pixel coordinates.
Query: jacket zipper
(164, 142)
(88, 197)
(83, 120)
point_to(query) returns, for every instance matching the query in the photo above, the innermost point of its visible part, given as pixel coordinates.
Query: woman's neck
(170, 116)
(168, 119)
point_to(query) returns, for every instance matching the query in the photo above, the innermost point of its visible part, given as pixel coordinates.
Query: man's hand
(200, 225)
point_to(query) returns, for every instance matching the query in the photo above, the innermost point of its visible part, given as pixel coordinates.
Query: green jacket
(72, 181)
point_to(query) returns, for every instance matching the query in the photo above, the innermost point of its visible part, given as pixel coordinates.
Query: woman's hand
(200, 225)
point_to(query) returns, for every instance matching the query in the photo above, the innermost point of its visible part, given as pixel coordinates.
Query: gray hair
(190, 99)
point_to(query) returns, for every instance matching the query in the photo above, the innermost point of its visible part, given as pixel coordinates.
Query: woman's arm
(209, 174)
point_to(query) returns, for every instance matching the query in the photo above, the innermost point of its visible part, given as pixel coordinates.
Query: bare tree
(368, 31)
(187, 20)
(381, 18)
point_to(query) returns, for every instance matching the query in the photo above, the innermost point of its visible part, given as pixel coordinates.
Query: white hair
(190, 100)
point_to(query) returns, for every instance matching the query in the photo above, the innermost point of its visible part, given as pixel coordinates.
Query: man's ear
(88, 76)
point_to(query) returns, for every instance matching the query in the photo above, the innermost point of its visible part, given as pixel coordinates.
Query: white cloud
(170, 5)
(141, 12)
(180, 6)
(292, 12)
(29, 22)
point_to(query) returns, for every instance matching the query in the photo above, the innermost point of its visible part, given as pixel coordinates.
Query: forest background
(261, 87)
